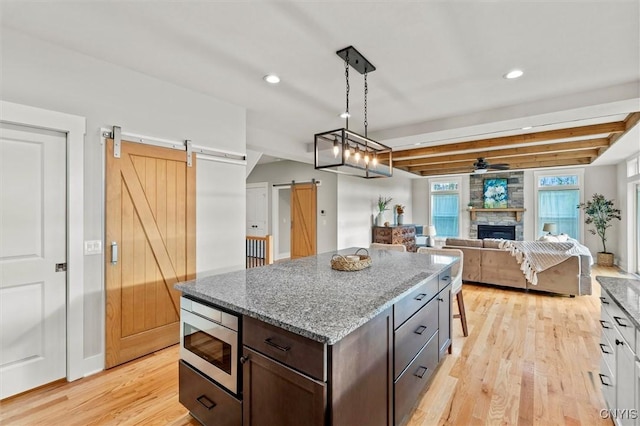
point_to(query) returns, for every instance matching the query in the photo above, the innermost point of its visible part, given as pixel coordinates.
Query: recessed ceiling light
(418, 143)
(513, 74)
(272, 79)
(527, 127)
(345, 115)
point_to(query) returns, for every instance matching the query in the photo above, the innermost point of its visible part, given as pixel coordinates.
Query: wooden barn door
(150, 225)
(303, 220)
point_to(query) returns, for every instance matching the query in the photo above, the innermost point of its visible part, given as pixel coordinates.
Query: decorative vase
(605, 259)
(380, 219)
(400, 219)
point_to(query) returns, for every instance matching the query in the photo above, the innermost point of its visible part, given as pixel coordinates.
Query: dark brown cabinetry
(275, 394)
(373, 376)
(205, 400)
(444, 321)
(422, 323)
(401, 234)
(287, 377)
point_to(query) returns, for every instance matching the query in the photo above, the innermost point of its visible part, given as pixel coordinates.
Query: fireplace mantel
(518, 212)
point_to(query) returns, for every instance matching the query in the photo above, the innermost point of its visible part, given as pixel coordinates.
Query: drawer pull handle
(619, 342)
(206, 402)
(420, 372)
(602, 381)
(604, 300)
(244, 359)
(602, 348)
(270, 342)
(440, 299)
(447, 278)
(420, 329)
(605, 324)
(621, 324)
(420, 296)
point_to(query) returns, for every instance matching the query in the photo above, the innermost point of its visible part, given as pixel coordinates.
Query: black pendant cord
(366, 91)
(346, 74)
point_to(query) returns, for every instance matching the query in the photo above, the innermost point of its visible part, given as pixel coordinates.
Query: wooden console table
(518, 212)
(401, 234)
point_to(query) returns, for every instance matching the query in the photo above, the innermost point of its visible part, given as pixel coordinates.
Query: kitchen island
(321, 346)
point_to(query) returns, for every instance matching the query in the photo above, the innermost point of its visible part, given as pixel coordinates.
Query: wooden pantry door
(150, 216)
(303, 220)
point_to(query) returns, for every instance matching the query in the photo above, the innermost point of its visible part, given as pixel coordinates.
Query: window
(558, 196)
(445, 206)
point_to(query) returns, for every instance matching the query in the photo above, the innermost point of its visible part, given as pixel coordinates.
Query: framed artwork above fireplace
(495, 193)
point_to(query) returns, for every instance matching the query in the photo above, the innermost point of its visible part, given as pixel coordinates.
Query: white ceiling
(439, 64)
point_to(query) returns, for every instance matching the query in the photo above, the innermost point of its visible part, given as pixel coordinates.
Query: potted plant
(400, 213)
(383, 203)
(600, 212)
(470, 205)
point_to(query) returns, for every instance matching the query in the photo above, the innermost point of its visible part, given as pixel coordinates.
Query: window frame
(536, 189)
(458, 192)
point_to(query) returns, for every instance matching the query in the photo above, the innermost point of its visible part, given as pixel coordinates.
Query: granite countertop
(625, 292)
(307, 297)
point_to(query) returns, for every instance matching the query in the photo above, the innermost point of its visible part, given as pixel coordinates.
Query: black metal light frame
(344, 151)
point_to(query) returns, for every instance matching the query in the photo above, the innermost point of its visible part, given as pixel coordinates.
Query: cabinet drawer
(620, 319)
(414, 379)
(444, 279)
(413, 334)
(206, 401)
(608, 384)
(607, 350)
(414, 301)
(293, 350)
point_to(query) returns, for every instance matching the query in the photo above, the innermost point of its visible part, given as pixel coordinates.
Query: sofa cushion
(492, 242)
(463, 242)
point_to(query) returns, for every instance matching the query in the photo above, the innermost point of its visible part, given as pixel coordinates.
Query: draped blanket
(537, 256)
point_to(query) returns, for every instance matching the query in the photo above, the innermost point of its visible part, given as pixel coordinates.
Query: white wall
(357, 205)
(602, 180)
(284, 172)
(40, 74)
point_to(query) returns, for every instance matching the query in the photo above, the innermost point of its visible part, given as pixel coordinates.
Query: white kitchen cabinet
(619, 368)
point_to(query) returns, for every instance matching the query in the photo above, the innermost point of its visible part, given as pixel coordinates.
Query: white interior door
(257, 210)
(32, 242)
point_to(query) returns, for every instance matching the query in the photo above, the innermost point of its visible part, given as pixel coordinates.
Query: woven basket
(341, 263)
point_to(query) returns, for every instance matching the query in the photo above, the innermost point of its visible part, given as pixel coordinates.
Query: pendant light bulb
(336, 148)
(366, 157)
(347, 152)
(375, 160)
(357, 155)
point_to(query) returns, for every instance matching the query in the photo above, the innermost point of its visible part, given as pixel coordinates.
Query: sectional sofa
(484, 262)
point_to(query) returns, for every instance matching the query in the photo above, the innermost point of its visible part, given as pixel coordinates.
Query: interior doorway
(33, 257)
(281, 221)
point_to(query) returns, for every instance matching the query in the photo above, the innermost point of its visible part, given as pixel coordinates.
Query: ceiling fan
(482, 166)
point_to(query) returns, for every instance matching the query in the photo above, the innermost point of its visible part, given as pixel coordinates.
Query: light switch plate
(92, 247)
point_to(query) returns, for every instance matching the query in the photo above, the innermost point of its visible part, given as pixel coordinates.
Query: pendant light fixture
(344, 151)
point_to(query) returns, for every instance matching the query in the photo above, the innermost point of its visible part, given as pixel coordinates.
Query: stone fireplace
(495, 217)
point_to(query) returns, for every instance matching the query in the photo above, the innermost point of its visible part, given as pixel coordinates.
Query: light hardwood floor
(530, 358)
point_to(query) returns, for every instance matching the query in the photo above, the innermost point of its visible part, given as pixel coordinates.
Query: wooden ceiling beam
(556, 156)
(508, 152)
(516, 166)
(573, 132)
(629, 122)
